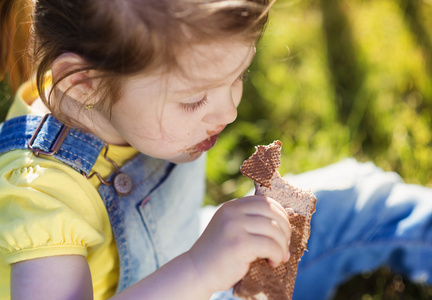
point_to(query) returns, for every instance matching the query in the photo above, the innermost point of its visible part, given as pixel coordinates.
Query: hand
(241, 231)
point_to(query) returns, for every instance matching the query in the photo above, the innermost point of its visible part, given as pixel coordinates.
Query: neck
(92, 121)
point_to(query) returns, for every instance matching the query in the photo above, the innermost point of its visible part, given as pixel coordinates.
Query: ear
(78, 85)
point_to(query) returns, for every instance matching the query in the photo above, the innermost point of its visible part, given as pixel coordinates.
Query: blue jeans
(365, 218)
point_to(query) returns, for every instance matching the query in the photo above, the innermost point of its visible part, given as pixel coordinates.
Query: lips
(206, 144)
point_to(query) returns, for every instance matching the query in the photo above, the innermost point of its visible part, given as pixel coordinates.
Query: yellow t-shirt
(47, 208)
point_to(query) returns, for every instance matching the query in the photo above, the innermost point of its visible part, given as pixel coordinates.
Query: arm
(241, 231)
(50, 277)
(68, 277)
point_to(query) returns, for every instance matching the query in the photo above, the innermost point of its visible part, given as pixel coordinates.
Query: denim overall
(146, 222)
(365, 218)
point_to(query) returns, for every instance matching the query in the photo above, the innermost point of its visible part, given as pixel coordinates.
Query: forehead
(201, 67)
(204, 66)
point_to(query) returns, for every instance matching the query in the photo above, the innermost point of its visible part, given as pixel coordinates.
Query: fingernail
(271, 263)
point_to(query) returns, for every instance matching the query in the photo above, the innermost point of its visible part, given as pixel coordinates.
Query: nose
(223, 111)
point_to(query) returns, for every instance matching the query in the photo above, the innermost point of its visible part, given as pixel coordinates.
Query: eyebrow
(193, 90)
(199, 89)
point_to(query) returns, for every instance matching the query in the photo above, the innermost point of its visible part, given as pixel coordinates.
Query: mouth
(205, 145)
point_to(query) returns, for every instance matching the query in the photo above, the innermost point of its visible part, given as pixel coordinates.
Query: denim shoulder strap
(48, 136)
(159, 219)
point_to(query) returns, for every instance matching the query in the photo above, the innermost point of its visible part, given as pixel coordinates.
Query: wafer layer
(263, 281)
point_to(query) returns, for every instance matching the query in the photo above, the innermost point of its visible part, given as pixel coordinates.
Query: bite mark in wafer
(264, 282)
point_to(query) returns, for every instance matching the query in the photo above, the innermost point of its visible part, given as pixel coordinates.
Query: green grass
(382, 284)
(5, 99)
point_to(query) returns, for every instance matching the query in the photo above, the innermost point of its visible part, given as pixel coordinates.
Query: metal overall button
(122, 184)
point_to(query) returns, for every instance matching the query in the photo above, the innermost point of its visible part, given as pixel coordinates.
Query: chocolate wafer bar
(264, 282)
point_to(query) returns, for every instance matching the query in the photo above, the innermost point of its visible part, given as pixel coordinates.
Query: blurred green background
(335, 79)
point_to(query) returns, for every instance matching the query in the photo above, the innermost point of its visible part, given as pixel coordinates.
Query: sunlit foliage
(335, 79)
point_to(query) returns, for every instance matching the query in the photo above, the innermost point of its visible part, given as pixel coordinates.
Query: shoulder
(22, 168)
(47, 206)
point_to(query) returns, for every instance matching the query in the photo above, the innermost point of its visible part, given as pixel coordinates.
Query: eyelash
(192, 107)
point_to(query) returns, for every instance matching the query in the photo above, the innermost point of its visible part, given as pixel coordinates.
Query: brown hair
(120, 38)
(15, 25)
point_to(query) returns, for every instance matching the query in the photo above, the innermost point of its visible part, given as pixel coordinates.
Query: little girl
(102, 166)
(101, 176)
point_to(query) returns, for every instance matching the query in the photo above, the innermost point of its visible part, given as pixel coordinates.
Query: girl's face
(177, 116)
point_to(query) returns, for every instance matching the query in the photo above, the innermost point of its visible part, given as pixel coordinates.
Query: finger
(281, 216)
(267, 207)
(259, 225)
(257, 193)
(258, 204)
(267, 248)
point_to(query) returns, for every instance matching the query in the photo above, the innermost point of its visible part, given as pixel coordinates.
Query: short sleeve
(46, 208)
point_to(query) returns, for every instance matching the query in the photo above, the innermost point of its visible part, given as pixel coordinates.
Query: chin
(185, 158)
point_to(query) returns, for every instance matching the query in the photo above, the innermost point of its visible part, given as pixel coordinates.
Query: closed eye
(191, 107)
(194, 106)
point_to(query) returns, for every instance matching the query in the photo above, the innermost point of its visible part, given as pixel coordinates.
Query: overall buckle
(57, 142)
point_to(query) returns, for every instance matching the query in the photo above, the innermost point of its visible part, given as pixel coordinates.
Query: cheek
(236, 93)
(178, 125)
(137, 124)
(177, 131)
